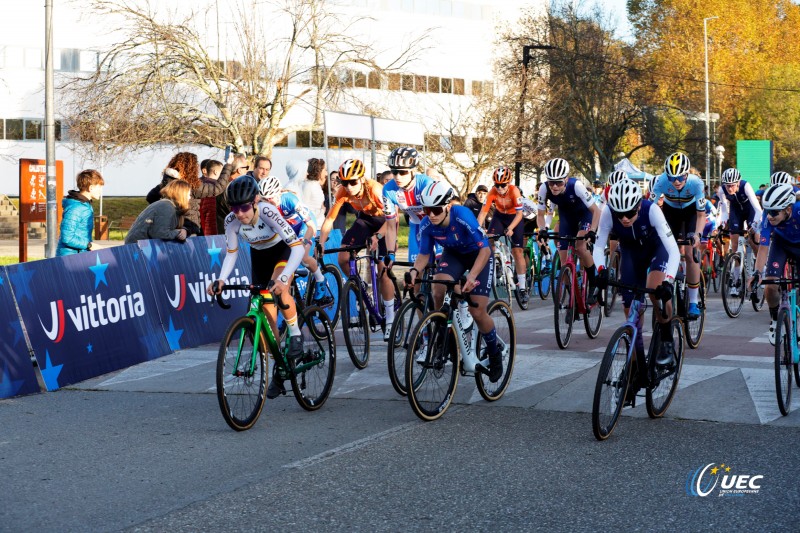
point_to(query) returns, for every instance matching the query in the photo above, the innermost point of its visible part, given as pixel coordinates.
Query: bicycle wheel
(333, 277)
(312, 373)
(241, 374)
(555, 270)
(499, 287)
(398, 301)
(757, 298)
(730, 281)
(355, 326)
(503, 319)
(694, 328)
(403, 327)
(717, 275)
(564, 307)
(706, 268)
(593, 319)
(612, 383)
(783, 362)
(432, 367)
(663, 380)
(611, 292)
(544, 278)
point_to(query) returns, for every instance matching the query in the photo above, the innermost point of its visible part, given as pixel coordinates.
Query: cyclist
(364, 195)
(507, 220)
(780, 240)
(275, 253)
(578, 215)
(742, 207)
(599, 193)
(402, 194)
(465, 247)
(685, 210)
(303, 224)
(649, 255)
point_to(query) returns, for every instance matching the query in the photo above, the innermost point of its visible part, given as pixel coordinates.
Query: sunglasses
(500, 185)
(246, 167)
(774, 212)
(627, 214)
(556, 183)
(433, 210)
(241, 208)
(397, 172)
(679, 179)
(349, 183)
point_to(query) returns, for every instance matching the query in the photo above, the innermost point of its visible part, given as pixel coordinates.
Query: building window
(447, 86)
(302, 139)
(360, 79)
(394, 82)
(361, 144)
(58, 130)
(421, 84)
(2, 129)
(433, 84)
(33, 130)
(458, 86)
(407, 83)
(14, 130)
(374, 80)
(477, 88)
(317, 139)
(481, 144)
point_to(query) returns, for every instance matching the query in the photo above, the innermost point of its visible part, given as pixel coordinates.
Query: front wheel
(432, 367)
(611, 290)
(593, 317)
(732, 289)
(241, 374)
(663, 380)
(313, 372)
(706, 268)
(503, 319)
(694, 328)
(543, 276)
(330, 294)
(783, 362)
(612, 383)
(564, 307)
(403, 327)
(355, 325)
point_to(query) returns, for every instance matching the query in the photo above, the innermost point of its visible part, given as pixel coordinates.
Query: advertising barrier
(16, 371)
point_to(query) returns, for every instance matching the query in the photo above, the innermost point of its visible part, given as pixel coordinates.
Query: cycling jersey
(788, 230)
(529, 209)
(368, 202)
(742, 206)
(407, 201)
(295, 213)
(691, 193)
(270, 229)
(575, 201)
(462, 235)
(507, 204)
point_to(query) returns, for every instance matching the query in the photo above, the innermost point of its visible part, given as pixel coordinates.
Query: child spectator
(77, 222)
(163, 219)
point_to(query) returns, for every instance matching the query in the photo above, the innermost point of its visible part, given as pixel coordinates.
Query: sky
(616, 10)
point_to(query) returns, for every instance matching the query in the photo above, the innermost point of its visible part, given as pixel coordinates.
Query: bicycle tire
(334, 278)
(783, 362)
(313, 372)
(544, 280)
(241, 394)
(758, 301)
(432, 367)
(503, 319)
(732, 304)
(694, 328)
(611, 291)
(499, 289)
(555, 270)
(663, 381)
(612, 383)
(564, 307)
(355, 326)
(593, 318)
(705, 268)
(405, 322)
(398, 301)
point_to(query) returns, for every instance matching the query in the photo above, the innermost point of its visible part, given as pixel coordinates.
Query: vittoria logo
(197, 289)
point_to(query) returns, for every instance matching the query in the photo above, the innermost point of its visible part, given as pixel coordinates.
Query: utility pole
(708, 129)
(526, 57)
(50, 132)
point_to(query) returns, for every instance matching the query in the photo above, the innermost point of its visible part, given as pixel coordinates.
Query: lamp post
(708, 129)
(526, 57)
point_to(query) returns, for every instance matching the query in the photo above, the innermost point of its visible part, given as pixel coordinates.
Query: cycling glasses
(241, 208)
(626, 214)
(679, 179)
(500, 185)
(433, 210)
(397, 172)
(349, 183)
(555, 183)
(774, 212)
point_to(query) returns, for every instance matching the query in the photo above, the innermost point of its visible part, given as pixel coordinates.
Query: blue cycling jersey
(788, 230)
(407, 201)
(574, 202)
(295, 213)
(740, 200)
(691, 193)
(463, 234)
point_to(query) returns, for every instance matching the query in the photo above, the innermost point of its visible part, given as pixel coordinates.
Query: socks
(292, 323)
(693, 292)
(521, 281)
(773, 313)
(318, 275)
(388, 309)
(491, 341)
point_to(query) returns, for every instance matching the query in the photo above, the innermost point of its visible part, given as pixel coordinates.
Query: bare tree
(164, 81)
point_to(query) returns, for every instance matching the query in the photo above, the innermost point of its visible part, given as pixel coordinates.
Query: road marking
(177, 362)
(761, 384)
(760, 340)
(746, 358)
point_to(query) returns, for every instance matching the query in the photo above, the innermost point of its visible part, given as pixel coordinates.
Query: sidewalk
(36, 247)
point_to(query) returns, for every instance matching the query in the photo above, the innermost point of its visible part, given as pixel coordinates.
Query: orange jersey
(507, 205)
(368, 202)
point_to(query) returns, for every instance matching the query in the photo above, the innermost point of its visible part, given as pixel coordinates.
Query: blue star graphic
(16, 327)
(153, 344)
(89, 348)
(135, 256)
(50, 373)
(205, 319)
(2, 281)
(99, 271)
(174, 336)
(148, 250)
(214, 253)
(20, 281)
(9, 388)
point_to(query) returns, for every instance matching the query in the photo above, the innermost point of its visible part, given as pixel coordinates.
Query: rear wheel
(241, 374)
(333, 290)
(564, 307)
(694, 328)
(783, 362)
(355, 326)
(503, 319)
(612, 291)
(593, 318)
(432, 367)
(500, 285)
(663, 379)
(544, 275)
(403, 327)
(612, 384)
(706, 268)
(732, 281)
(313, 372)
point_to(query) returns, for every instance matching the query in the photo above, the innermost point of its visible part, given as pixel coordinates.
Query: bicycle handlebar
(451, 283)
(253, 289)
(355, 248)
(636, 290)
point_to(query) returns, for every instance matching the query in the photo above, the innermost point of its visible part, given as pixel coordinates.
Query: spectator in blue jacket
(77, 220)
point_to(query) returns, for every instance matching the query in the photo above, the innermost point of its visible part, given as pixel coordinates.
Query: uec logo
(705, 479)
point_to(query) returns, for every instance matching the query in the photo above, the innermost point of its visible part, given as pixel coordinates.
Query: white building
(458, 63)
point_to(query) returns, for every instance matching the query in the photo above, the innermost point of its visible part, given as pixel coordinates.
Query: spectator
(77, 221)
(476, 199)
(384, 177)
(208, 205)
(239, 166)
(262, 166)
(310, 189)
(455, 200)
(294, 171)
(163, 219)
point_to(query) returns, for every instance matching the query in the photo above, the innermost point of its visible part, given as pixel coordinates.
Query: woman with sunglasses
(507, 220)
(365, 196)
(685, 210)
(649, 255)
(578, 215)
(780, 240)
(465, 247)
(402, 194)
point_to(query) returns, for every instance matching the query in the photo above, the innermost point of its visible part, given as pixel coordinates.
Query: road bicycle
(711, 262)
(787, 353)
(612, 264)
(735, 272)
(333, 287)
(624, 366)
(405, 322)
(242, 361)
(505, 273)
(694, 327)
(361, 303)
(570, 297)
(445, 344)
(538, 266)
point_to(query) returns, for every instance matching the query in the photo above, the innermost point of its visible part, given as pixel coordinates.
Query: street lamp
(720, 151)
(526, 57)
(708, 129)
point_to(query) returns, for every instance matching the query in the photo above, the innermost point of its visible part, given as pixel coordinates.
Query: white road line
(159, 367)
(761, 384)
(746, 358)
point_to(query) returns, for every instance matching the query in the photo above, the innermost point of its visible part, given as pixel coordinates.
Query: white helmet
(677, 164)
(624, 195)
(436, 194)
(616, 176)
(269, 187)
(731, 175)
(780, 177)
(556, 169)
(778, 196)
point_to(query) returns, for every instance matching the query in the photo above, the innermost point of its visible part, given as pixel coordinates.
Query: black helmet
(242, 190)
(404, 157)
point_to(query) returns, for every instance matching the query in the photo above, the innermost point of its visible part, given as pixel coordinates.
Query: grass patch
(13, 259)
